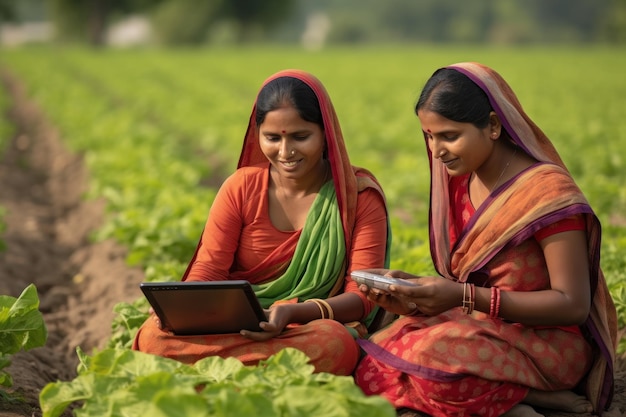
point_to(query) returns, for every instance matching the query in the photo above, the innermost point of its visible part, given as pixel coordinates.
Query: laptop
(207, 307)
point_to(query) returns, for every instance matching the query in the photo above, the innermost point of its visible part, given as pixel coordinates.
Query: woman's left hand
(278, 318)
(432, 295)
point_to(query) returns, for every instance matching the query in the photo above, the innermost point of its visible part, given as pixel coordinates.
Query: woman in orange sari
(294, 219)
(520, 315)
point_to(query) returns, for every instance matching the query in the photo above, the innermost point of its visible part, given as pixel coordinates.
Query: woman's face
(293, 146)
(462, 147)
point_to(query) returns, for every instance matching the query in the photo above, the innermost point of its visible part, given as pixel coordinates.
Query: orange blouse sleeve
(221, 235)
(369, 240)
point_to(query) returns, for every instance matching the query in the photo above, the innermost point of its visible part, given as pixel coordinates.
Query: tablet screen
(207, 307)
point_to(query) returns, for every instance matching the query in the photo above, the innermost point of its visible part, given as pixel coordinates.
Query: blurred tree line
(183, 22)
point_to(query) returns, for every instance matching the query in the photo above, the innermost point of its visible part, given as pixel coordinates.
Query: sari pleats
(498, 360)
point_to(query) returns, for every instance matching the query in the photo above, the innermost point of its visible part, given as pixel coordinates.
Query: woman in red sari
(520, 314)
(294, 220)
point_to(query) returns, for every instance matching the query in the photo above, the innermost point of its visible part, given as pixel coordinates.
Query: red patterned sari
(455, 364)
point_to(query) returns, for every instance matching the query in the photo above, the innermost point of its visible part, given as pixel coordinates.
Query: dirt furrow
(47, 239)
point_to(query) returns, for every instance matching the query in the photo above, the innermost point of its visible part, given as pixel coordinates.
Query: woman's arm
(369, 241)
(566, 303)
(368, 250)
(220, 238)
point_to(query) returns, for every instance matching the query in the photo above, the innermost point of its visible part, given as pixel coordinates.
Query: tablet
(205, 307)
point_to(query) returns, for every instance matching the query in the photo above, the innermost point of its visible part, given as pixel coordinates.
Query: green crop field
(155, 123)
(160, 130)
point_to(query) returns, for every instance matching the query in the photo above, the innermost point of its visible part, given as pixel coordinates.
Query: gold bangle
(319, 305)
(468, 298)
(324, 307)
(329, 309)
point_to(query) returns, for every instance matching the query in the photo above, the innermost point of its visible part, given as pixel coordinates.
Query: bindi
(283, 131)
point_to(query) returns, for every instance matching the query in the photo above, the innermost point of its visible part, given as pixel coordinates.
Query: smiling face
(462, 147)
(293, 146)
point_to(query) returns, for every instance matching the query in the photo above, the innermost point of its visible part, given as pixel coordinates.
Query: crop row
(161, 129)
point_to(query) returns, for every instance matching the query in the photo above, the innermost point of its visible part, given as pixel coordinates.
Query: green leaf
(218, 369)
(21, 323)
(21, 327)
(125, 362)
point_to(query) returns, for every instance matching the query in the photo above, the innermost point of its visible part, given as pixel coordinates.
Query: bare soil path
(47, 241)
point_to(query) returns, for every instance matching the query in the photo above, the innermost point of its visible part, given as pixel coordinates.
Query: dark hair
(292, 91)
(454, 96)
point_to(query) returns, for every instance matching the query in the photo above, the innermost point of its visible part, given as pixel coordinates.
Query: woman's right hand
(433, 295)
(277, 319)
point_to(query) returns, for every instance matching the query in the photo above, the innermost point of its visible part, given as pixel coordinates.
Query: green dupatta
(319, 256)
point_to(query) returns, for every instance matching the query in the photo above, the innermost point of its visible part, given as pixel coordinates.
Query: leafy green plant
(129, 317)
(21, 327)
(117, 382)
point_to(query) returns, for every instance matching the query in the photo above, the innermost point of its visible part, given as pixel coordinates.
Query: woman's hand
(278, 318)
(389, 300)
(157, 320)
(432, 295)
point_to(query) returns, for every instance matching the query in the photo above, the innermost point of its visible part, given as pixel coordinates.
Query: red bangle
(494, 308)
(499, 299)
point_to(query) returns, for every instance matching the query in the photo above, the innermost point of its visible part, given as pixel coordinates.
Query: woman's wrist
(326, 311)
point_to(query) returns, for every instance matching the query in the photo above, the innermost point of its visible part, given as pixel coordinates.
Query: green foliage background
(161, 129)
(6, 131)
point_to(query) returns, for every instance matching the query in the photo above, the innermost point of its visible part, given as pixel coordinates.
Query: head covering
(601, 326)
(348, 180)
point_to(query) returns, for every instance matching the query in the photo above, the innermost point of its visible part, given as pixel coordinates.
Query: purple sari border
(380, 354)
(470, 224)
(532, 228)
(607, 386)
(495, 106)
(549, 219)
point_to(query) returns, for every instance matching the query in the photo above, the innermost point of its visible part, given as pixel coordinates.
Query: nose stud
(292, 153)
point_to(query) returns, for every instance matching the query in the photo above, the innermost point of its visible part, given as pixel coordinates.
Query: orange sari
(463, 365)
(240, 213)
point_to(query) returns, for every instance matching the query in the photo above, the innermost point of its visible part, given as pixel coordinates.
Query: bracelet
(498, 302)
(319, 305)
(324, 307)
(468, 297)
(329, 309)
(494, 308)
